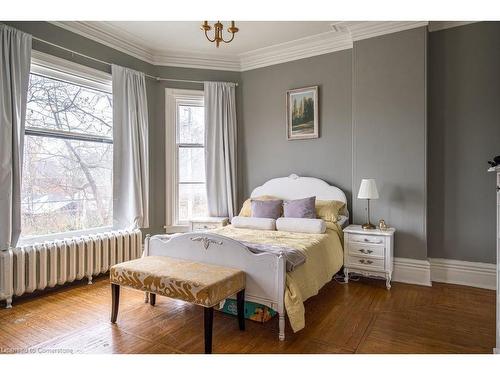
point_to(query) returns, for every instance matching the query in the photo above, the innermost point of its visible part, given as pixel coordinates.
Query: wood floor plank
(361, 317)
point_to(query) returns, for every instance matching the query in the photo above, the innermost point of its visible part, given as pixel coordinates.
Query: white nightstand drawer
(205, 226)
(365, 262)
(368, 239)
(365, 250)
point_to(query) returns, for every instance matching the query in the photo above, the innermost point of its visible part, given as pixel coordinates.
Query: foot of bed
(281, 334)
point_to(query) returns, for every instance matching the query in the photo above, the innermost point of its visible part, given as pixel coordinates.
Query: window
(189, 196)
(68, 154)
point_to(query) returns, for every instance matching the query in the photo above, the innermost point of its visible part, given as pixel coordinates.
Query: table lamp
(368, 190)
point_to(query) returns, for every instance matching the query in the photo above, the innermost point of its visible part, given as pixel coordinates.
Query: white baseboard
(423, 272)
(479, 275)
(412, 271)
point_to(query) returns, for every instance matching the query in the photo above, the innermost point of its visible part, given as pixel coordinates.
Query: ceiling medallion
(218, 30)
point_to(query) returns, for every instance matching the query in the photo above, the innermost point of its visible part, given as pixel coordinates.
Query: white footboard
(265, 273)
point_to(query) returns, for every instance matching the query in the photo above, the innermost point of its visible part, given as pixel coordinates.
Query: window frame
(52, 67)
(173, 98)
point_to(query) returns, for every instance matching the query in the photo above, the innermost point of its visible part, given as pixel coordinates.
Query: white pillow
(253, 223)
(300, 225)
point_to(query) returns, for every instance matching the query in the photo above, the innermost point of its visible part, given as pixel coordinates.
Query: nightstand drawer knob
(365, 251)
(367, 240)
(364, 261)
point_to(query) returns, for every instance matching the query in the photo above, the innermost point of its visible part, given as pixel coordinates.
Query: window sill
(30, 240)
(170, 229)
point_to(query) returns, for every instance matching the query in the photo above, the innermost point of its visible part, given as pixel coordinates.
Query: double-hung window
(68, 150)
(186, 120)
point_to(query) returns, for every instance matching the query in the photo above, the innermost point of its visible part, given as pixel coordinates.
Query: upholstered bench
(202, 284)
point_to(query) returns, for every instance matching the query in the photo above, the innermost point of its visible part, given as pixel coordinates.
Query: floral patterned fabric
(198, 283)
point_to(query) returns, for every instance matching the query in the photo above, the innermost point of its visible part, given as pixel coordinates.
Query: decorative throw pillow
(300, 208)
(268, 209)
(329, 210)
(246, 209)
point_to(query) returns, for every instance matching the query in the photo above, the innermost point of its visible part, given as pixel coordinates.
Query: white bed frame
(265, 282)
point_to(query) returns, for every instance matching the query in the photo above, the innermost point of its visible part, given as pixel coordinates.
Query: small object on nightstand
(382, 225)
(202, 224)
(368, 190)
(369, 252)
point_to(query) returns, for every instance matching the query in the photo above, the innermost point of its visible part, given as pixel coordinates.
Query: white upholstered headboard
(295, 187)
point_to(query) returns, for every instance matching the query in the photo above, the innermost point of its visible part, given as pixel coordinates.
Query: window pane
(191, 124)
(57, 105)
(191, 164)
(67, 185)
(192, 201)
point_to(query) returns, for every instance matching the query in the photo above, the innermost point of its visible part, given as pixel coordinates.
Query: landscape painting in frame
(302, 113)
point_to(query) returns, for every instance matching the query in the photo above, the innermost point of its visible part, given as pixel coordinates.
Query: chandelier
(218, 30)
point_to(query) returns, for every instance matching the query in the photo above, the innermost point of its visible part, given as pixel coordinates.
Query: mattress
(324, 258)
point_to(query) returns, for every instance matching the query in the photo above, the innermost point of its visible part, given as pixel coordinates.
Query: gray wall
(155, 94)
(389, 134)
(375, 92)
(263, 148)
(464, 132)
(380, 110)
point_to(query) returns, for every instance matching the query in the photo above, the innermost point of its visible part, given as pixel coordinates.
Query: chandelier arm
(230, 40)
(210, 40)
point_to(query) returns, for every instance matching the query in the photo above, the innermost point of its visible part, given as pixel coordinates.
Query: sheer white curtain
(15, 61)
(130, 149)
(221, 148)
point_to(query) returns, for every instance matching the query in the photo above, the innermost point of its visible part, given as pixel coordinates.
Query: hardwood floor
(361, 317)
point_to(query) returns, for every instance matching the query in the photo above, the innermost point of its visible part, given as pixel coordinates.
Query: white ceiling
(257, 44)
(186, 35)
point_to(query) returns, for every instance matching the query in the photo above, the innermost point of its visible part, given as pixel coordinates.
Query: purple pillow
(301, 208)
(268, 209)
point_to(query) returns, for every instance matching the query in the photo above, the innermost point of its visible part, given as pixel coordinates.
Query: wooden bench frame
(208, 313)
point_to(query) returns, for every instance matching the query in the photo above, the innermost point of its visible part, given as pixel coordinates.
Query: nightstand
(206, 223)
(368, 252)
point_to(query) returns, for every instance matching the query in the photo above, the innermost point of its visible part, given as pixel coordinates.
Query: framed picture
(302, 120)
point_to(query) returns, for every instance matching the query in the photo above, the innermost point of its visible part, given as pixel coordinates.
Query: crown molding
(442, 25)
(342, 37)
(197, 60)
(360, 30)
(315, 45)
(108, 35)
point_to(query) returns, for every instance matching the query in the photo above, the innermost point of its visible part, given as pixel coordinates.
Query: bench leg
(209, 319)
(115, 301)
(152, 299)
(240, 307)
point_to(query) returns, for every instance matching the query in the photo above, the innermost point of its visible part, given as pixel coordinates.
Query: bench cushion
(198, 283)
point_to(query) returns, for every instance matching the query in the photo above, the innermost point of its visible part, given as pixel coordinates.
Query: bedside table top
(209, 220)
(354, 228)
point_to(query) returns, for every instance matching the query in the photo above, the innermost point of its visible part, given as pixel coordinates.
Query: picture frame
(302, 115)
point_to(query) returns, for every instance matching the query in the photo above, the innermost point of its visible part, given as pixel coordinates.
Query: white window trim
(171, 165)
(68, 71)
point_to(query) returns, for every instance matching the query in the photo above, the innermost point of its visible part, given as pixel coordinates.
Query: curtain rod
(109, 64)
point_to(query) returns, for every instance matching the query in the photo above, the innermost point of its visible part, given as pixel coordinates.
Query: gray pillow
(301, 208)
(269, 209)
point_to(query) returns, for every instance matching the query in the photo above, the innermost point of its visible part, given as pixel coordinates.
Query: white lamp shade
(368, 189)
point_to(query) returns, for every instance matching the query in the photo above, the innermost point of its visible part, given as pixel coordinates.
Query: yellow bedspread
(324, 258)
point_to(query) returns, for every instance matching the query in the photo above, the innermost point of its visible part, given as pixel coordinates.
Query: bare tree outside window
(191, 188)
(68, 158)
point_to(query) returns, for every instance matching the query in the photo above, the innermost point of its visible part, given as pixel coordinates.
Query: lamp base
(368, 226)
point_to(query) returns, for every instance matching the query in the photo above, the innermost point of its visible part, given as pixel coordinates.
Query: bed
(268, 282)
